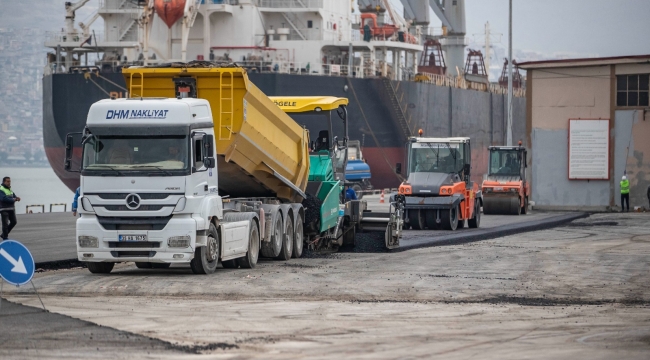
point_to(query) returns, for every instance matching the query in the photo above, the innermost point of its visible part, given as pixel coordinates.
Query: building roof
(629, 59)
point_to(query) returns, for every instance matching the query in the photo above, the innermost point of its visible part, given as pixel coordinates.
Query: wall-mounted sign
(588, 149)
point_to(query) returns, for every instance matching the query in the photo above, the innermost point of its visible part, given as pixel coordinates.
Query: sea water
(37, 186)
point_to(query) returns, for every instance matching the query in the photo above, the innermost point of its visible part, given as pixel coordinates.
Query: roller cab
(438, 191)
(505, 188)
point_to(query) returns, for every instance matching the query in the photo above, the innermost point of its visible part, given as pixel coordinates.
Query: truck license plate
(132, 237)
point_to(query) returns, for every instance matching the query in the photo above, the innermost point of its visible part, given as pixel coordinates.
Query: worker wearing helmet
(625, 193)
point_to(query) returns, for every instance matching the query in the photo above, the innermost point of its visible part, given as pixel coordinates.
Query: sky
(564, 27)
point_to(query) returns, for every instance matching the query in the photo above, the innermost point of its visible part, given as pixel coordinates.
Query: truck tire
(449, 218)
(430, 216)
(100, 267)
(287, 240)
(350, 237)
(416, 219)
(298, 240)
(475, 221)
(206, 258)
(272, 248)
(143, 265)
(250, 260)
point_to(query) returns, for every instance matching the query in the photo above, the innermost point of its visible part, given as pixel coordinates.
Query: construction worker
(75, 202)
(625, 193)
(7, 209)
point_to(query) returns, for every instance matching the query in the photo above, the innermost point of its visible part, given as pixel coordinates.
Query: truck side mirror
(398, 168)
(68, 153)
(208, 150)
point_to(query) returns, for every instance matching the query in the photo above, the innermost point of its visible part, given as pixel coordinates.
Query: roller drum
(501, 205)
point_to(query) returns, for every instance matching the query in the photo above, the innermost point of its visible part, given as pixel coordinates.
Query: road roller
(505, 188)
(438, 192)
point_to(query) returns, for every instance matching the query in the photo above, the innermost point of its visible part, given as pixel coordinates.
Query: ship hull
(373, 117)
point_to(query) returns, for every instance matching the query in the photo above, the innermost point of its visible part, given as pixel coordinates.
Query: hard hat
(624, 177)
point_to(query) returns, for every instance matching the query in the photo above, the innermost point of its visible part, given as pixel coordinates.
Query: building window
(310, 24)
(632, 90)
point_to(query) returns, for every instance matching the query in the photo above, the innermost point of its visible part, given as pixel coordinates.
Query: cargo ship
(399, 74)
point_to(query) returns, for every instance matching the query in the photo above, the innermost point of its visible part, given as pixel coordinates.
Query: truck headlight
(179, 241)
(86, 241)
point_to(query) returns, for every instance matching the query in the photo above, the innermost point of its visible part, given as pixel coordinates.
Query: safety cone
(381, 198)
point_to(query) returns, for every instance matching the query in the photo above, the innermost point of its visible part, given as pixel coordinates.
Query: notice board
(588, 149)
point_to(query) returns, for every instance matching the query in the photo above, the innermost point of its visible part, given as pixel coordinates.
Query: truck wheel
(349, 238)
(524, 209)
(449, 218)
(298, 237)
(206, 258)
(475, 222)
(250, 260)
(100, 267)
(143, 265)
(272, 248)
(416, 219)
(287, 241)
(430, 216)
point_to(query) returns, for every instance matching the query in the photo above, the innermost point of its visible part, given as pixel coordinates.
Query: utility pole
(487, 49)
(509, 138)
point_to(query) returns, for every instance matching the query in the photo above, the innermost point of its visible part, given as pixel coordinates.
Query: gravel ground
(575, 292)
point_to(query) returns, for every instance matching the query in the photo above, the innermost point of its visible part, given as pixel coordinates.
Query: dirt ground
(578, 291)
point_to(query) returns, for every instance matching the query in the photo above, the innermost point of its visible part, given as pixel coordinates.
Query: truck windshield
(169, 154)
(505, 162)
(436, 157)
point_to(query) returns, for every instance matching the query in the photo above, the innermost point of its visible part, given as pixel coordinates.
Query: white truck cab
(149, 189)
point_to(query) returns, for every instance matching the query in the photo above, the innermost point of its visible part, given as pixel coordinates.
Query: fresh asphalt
(50, 237)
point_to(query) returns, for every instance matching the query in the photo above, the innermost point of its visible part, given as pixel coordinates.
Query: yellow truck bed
(261, 151)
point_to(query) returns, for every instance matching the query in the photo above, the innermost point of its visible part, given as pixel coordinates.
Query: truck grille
(143, 196)
(133, 223)
(118, 254)
(141, 208)
(134, 245)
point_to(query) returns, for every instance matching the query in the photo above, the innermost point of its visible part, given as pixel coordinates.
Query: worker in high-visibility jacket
(625, 193)
(7, 209)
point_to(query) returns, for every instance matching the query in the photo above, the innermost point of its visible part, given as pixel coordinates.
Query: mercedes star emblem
(133, 201)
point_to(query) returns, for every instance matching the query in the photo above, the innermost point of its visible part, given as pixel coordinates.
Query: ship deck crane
(70, 8)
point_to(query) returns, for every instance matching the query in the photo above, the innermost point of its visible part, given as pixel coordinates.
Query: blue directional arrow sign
(16, 263)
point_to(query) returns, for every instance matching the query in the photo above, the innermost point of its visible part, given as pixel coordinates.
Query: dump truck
(505, 187)
(438, 192)
(198, 166)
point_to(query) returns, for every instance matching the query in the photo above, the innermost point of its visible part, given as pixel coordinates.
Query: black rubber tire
(206, 258)
(250, 260)
(430, 217)
(449, 218)
(298, 241)
(518, 208)
(461, 224)
(100, 267)
(357, 189)
(273, 248)
(524, 210)
(287, 240)
(160, 265)
(350, 237)
(416, 219)
(230, 264)
(143, 265)
(475, 221)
